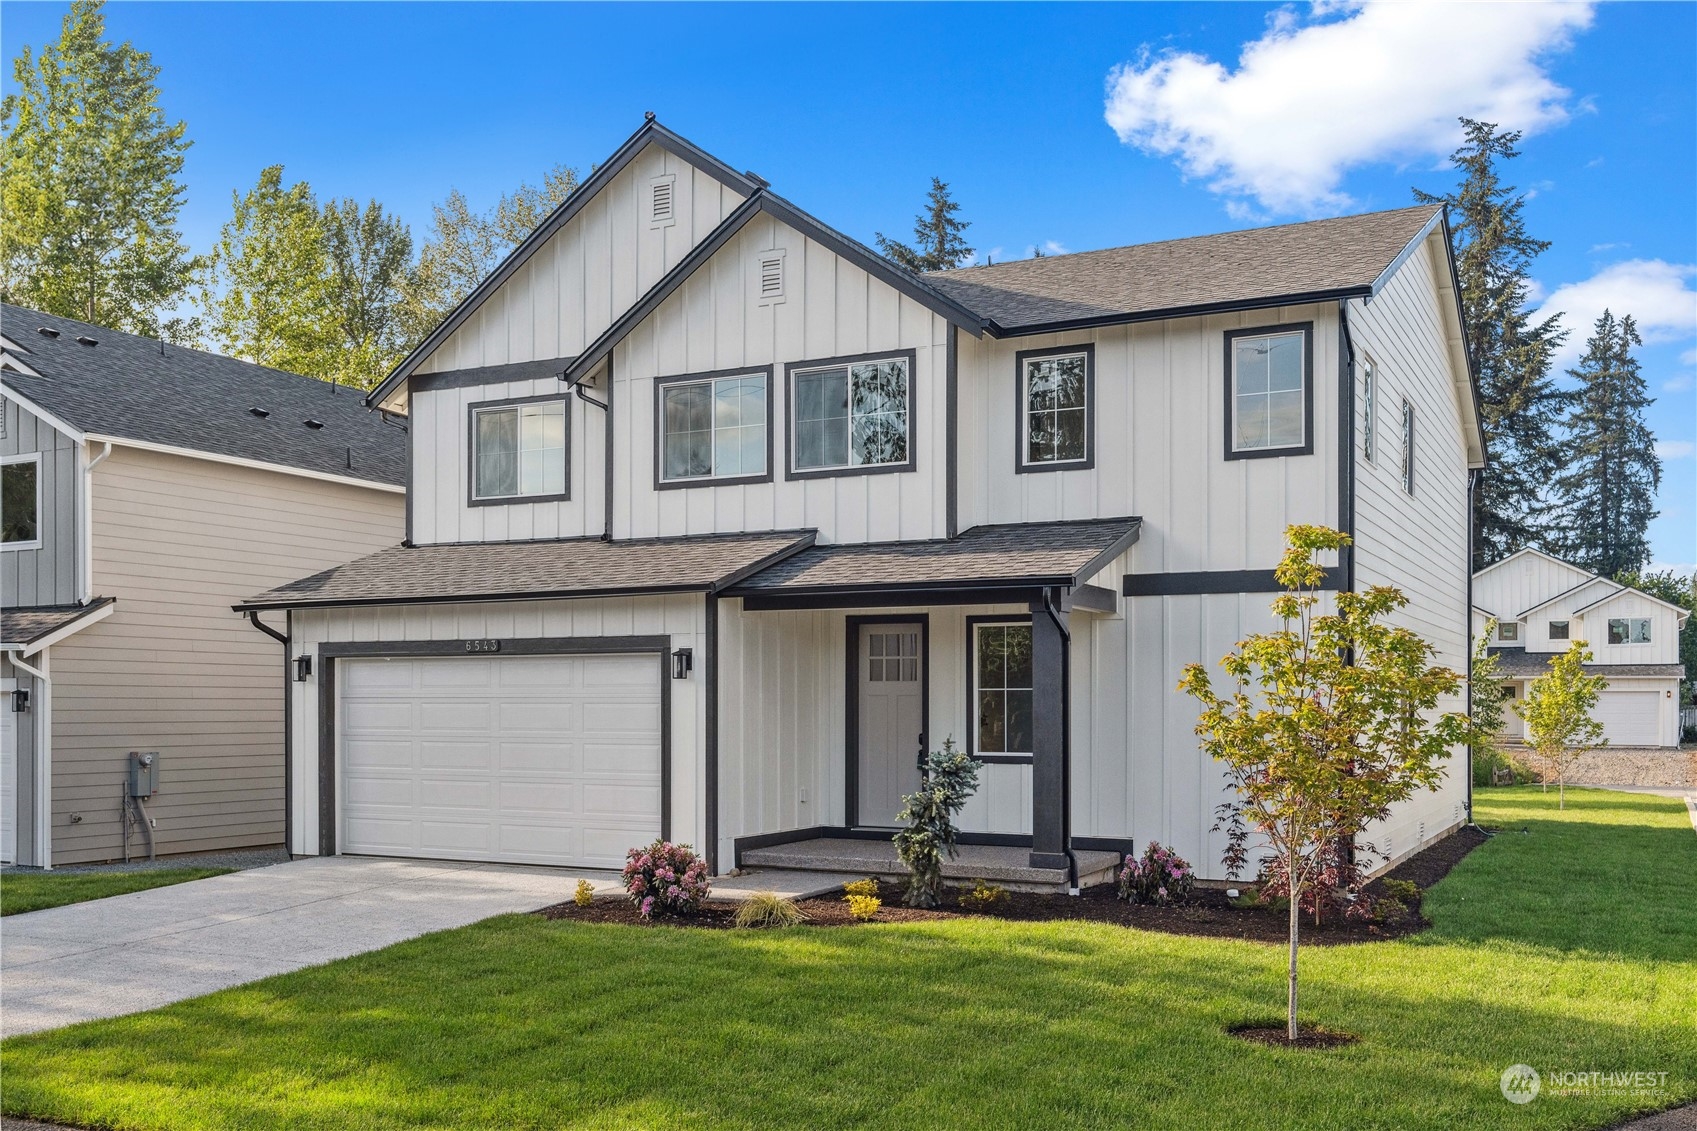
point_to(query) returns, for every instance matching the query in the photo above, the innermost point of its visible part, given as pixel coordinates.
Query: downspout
(1066, 739)
(85, 560)
(43, 713)
(607, 488)
(288, 725)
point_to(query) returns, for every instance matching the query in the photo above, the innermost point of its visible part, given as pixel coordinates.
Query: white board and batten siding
(715, 322)
(1416, 543)
(1515, 584)
(567, 293)
(628, 771)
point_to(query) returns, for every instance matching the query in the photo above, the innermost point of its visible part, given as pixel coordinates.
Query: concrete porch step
(1009, 867)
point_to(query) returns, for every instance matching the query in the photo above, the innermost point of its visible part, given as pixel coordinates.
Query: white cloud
(1656, 293)
(1679, 384)
(1351, 83)
(1689, 357)
(1674, 449)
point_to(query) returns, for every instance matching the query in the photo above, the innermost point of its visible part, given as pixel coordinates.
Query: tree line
(340, 290)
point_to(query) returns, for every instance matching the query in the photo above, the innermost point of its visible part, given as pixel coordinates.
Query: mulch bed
(1307, 1036)
(1209, 913)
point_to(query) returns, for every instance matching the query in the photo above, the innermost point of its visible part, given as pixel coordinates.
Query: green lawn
(33, 891)
(1570, 947)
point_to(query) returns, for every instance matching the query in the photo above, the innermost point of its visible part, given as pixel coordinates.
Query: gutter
(43, 713)
(288, 725)
(85, 560)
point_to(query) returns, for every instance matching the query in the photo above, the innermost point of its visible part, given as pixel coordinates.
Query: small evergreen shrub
(1389, 909)
(769, 909)
(1405, 890)
(982, 897)
(868, 887)
(1161, 878)
(665, 878)
(864, 907)
(585, 893)
(947, 779)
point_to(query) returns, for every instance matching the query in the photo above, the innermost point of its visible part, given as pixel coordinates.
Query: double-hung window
(714, 428)
(1001, 689)
(1629, 630)
(20, 502)
(851, 415)
(1055, 425)
(1270, 391)
(518, 451)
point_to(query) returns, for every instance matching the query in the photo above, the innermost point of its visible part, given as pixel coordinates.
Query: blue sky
(1072, 127)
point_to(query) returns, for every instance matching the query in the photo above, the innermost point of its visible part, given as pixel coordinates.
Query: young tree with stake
(1557, 710)
(1328, 723)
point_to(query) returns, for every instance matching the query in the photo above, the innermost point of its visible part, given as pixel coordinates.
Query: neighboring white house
(1542, 604)
(717, 519)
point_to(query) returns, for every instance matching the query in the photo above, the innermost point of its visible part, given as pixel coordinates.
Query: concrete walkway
(128, 953)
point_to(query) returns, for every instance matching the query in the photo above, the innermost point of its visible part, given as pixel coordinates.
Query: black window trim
(1022, 406)
(472, 410)
(1566, 629)
(1306, 448)
(972, 625)
(18, 460)
(661, 483)
(1649, 631)
(792, 368)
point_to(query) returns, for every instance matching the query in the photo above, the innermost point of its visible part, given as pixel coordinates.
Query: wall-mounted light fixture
(20, 701)
(683, 661)
(303, 668)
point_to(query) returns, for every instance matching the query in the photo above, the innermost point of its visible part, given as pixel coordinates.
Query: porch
(1004, 865)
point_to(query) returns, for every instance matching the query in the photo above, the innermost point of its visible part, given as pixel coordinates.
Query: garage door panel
(550, 760)
(1630, 718)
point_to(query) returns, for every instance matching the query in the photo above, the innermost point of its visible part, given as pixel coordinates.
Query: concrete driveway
(109, 957)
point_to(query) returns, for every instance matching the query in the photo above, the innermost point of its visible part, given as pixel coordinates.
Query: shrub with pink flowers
(665, 879)
(1162, 877)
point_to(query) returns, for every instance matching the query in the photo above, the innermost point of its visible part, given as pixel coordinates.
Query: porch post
(1050, 637)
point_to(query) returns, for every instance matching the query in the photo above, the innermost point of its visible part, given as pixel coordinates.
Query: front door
(890, 704)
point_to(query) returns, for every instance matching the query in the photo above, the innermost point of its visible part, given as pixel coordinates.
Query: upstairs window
(1629, 630)
(518, 451)
(851, 416)
(1369, 410)
(1055, 425)
(1408, 447)
(1558, 630)
(1508, 630)
(1269, 391)
(714, 428)
(20, 502)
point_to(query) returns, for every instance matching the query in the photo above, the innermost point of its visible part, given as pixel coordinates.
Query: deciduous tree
(1328, 723)
(367, 254)
(89, 188)
(1557, 710)
(1488, 699)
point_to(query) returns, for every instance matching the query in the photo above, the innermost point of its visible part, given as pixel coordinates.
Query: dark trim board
(1346, 447)
(847, 361)
(1307, 445)
(951, 432)
(880, 598)
(710, 739)
(330, 653)
(489, 375)
(658, 431)
(1163, 314)
(471, 452)
(851, 702)
(1022, 407)
(1211, 581)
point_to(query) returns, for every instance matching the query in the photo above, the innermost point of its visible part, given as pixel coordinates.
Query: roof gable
(1531, 550)
(651, 133)
(1625, 592)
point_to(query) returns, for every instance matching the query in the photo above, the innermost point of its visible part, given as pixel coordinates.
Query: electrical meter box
(144, 773)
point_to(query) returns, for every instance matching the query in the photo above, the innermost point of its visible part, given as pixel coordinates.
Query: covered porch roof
(27, 631)
(985, 564)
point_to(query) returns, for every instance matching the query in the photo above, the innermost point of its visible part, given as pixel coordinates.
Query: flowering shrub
(1162, 877)
(665, 878)
(864, 907)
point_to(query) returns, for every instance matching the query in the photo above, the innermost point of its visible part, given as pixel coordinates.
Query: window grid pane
(497, 452)
(1267, 392)
(1056, 409)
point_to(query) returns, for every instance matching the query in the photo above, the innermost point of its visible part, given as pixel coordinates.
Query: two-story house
(1541, 605)
(717, 519)
(145, 488)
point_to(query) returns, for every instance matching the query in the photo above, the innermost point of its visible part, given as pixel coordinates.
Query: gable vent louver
(769, 276)
(662, 200)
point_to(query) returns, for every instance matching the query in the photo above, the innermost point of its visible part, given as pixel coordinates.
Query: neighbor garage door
(1630, 718)
(514, 759)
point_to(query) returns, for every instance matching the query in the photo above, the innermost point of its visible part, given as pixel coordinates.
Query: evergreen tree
(270, 298)
(464, 246)
(1608, 490)
(1518, 401)
(367, 253)
(938, 241)
(90, 195)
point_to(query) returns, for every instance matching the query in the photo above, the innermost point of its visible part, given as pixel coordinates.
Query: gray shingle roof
(1319, 258)
(133, 388)
(1027, 554)
(570, 567)
(1517, 663)
(22, 627)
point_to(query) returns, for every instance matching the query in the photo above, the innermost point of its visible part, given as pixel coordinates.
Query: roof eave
(1196, 310)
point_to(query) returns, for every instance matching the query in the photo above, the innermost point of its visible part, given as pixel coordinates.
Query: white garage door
(1630, 718)
(514, 759)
